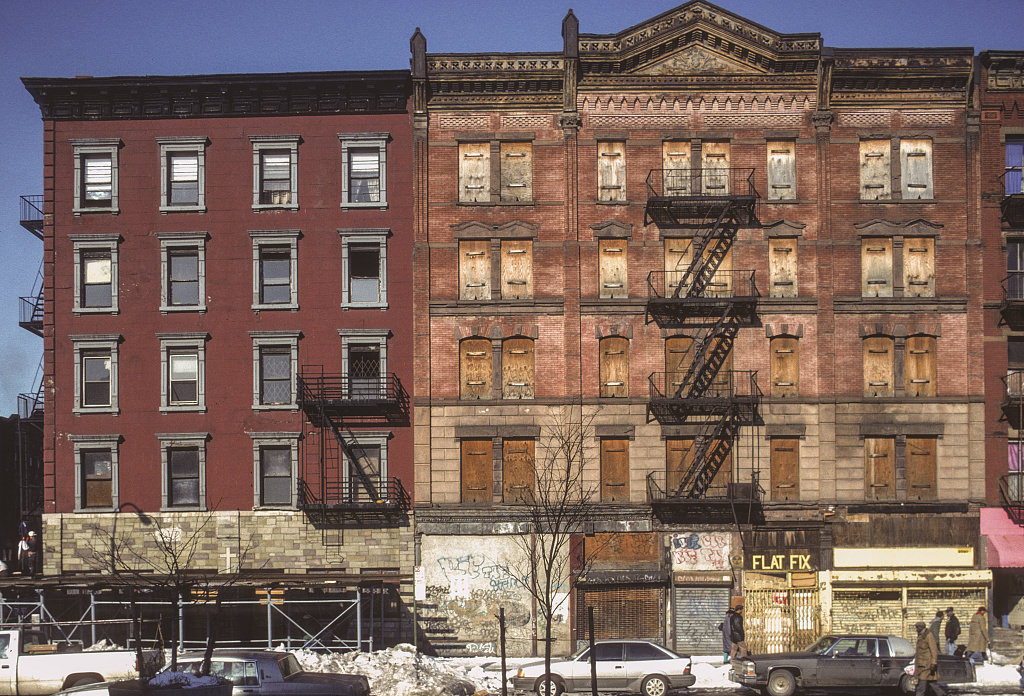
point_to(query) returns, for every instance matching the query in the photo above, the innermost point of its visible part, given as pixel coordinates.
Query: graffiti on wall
(703, 551)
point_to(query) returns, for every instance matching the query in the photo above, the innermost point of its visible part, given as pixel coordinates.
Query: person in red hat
(978, 641)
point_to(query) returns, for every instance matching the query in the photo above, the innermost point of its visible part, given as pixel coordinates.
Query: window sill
(89, 211)
(88, 510)
(367, 305)
(897, 201)
(379, 205)
(182, 209)
(495, 204)
(283, 507)
(183, 508)
(182, 308)
(275, 407)
(293, 306)
(86, 410)
(612, 202)
(183, 409)
(95, 310)
(258, 207)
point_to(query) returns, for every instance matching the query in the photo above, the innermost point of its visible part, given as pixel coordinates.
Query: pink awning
(1005, 539)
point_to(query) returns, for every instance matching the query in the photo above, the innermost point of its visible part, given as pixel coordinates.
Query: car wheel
(781, 682)
(908, 684)
(557, 688)
(654, 686)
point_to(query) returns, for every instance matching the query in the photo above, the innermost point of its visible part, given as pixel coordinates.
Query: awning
(1005, 539)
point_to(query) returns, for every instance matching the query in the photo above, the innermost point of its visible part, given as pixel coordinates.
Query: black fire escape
(701, 397)
(30, 404)
(1011, 484)
(342, 483)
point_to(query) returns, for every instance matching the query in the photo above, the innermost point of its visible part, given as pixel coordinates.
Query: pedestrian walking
(23, 555)
(737, 634)
(926, 662)
(725, 626)
(978, 641)
(936, 627)
(952, 631)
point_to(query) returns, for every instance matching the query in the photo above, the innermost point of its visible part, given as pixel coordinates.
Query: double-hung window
(275, 269)
(366, 468)
(182, 271)
(183, 459)
(275, 468)
(364, 170)
(95, 472)
(95, 268)
(95, 175)
(95, 373)
(182, 173)
(275, 163)
(364, 362)
(1013, 180)
(364, 268)
(275, 355)
(183, 383)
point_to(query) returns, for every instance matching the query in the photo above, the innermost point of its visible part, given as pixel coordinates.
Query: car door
(643, 659)
(8, 662)
(611, 667)
(850, 662)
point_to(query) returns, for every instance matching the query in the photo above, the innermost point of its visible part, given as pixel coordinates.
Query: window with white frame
(183, 371)
(364, 170)
(183, 463)
(95, 268)
(95, 175)
(364, 263)
(275, 469)
(182, 271)
(275, 282)
(95, 358)
(183, 173)
(364, 361)
(275, 355)
(275, 171)
(366, 466)
(95, 472)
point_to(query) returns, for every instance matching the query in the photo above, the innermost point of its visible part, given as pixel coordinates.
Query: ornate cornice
(209, 96)
(457, 64)
(1005, 70)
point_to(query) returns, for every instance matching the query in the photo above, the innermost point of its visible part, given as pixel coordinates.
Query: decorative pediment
(784, 228)
(697, 60)
(613, 229)
(918, 227)
(474, 229)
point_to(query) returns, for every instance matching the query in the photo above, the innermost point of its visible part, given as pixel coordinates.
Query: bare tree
(159, 555)
(557, 509)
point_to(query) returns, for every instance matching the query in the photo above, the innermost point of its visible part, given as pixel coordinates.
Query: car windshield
(822, 645)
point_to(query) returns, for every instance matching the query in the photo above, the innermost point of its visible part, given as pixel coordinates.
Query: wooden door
(475, 269)
(880, 468)
(611, 171)
(720, 353)
(919, 366)
(516, 172)
(785, 463)
(678, 460)
(677, 260)
(782, 267)
(715, 168)
(781, 170)
(785, 366)
(517, 377)
(876, 267)
(919, 267)
(878, 366)
(678, 357)
(613, 369)
(875, 184)
(518, 472)
(921, 472)
(611, 270)
(675, 160)
(916, 168)
(475, 368)
(720, 454)
(614, 470)
(475, 172)
(477, 471)
(516, 269)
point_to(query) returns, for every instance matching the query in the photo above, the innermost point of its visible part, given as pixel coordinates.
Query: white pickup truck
(30, 668)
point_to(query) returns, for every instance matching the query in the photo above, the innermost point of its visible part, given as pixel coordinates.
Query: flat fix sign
(781, 562)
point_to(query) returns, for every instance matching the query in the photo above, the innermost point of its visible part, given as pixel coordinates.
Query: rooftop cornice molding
(208, 96)
(439, 65)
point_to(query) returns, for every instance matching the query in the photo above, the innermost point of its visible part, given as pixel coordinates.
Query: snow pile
(182, 679)
(101, 645)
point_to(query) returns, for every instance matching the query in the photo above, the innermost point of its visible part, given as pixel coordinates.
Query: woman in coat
(977, 643)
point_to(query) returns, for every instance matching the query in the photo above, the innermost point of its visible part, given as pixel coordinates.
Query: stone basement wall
(276, 539)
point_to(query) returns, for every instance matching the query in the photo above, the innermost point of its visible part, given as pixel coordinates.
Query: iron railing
(665, 285)
(339, 390)
(726, 385)
(31, 209)
(388, 494)
(1011, 488)
(706, 182)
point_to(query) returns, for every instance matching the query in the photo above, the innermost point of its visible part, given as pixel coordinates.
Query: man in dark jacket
(726, 628)
(926, 662)
(952, 631)
(738, 636)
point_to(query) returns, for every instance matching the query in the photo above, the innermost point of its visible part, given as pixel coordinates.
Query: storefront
(1005, 556)
(702, 588)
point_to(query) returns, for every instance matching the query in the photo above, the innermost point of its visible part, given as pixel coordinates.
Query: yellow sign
(781, 562)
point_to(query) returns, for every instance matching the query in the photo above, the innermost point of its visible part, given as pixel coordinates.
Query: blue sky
(46, 38)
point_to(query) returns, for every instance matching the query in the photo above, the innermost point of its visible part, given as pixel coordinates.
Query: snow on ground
(400, 671)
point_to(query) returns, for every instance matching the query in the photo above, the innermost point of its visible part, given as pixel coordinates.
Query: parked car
(843, 661)
(637, 666)
(30, 665)
(253, 672)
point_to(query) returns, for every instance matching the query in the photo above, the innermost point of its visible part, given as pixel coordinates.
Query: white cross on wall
(227, 559)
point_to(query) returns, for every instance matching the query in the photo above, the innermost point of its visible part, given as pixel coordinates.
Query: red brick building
(1002, 219)
(742, 262)
(227, 328)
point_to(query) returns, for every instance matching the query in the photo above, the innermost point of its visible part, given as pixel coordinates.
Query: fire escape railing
(31, 214)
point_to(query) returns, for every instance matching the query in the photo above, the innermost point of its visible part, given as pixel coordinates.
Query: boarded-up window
(611, 171)
(613, 366)
(475, 269)
(719, 459)
(678, 358)
(781, 170)
(475, 368)
(518, 473)
(879, 468)
(516, 172)
(785, 366)
(715, 169)
(921, 468)
(477, 471)
(517, 368)
(878, 366)
(675, 160)
(719, 253)
(782, 267)
(678, 460)
(916, 168)
(614, 470)
(919, 366)
(474, 172)
(516, 269)
(876, 267)
(677, 259)
(785, 462)
(719, 360)
(919, 267)
(611, 272)
(875, 182)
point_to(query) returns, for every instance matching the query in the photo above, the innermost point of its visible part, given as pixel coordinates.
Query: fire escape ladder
(703, 467)
(702, 367)
(700, 271)
(355, 454)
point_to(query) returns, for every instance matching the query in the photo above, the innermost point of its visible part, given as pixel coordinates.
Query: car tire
(781, 682)
(654, 686)
(558, 688)
(908, 684)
